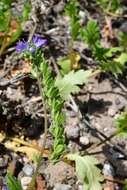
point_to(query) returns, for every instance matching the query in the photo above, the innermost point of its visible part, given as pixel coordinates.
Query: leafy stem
(33, 181)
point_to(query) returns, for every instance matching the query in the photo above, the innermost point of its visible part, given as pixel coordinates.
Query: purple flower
(39, 42)
(21, 46)
(31, 49)
(5, 188)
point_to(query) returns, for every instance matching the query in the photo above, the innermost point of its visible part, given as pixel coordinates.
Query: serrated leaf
(72, 10)
(122, 58)
(26, 10)
(113, 50)
(113, 67)
(87, 171)
(91, 33)
(69, 83)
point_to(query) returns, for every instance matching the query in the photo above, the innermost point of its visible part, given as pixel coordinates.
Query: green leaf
(91, 33)
(69, 83)
(75, 29)
(72, 10)
(12, 183)
(113, 50)
(87, 171)
(4, 20)
(121, 124)
(65, 64)
(122, 58)
(113, 67)
(26, 10)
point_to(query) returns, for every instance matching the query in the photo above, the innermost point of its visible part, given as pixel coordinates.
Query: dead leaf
(75, 58)
(24, 68)
(2, 136)
(40, 183)
(29, 151)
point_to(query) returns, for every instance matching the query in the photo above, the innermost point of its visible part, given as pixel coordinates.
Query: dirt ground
(100, 102)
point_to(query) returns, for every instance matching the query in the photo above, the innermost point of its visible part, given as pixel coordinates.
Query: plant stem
(33, 181)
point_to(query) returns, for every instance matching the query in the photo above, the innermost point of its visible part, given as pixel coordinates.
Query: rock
(112, 111)
(25, 182)
(108, 169)
(80, 187)
(3, 162)
(123, 27)
(60, 186)
(121, 168)
(84, 140)
(120, 103)
(28, 170)
(72, 132)
(58, 173)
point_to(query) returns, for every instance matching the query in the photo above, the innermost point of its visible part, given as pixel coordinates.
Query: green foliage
(72, 10)
(55, 103)
(87, 171)
(105, 57)
(125, 186)
(69, 83)
(65, 64)
(121, 124)
(123, 40)
(26, 10)
(112, 5)
(91, 33)
(12, 182)
(11, 23)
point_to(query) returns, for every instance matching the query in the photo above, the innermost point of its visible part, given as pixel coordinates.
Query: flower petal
(21, 46)
(39, 42)
(32, 49)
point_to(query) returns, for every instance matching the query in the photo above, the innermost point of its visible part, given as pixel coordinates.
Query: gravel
(28, 170)
(60, 186)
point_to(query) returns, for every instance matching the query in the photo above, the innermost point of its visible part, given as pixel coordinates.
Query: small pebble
(28, 170)
(118, 155)
(25, 182)
(60, 186)
(80, 187)
(112, 111)
(84, 140)
(108, 169)
(72, 132)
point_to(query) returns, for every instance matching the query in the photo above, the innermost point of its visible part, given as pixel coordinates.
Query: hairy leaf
(87, 171)
(69, 83)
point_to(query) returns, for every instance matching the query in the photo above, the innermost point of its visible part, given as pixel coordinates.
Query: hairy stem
(33, 181)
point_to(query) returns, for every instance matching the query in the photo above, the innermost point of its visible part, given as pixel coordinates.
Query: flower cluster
(36, 43)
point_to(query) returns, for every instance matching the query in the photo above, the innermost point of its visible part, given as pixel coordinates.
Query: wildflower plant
(104, 56)
(49, 92)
